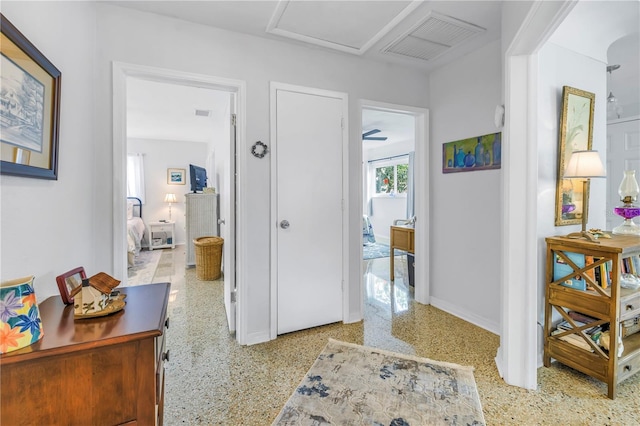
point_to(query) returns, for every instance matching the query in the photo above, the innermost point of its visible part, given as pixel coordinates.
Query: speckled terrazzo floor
(211, 380)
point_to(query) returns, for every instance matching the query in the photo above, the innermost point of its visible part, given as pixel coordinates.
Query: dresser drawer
(630, 307)
(162, 355)
(629, 367)
(162, 228)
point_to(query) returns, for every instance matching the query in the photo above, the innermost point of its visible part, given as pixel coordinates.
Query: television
(198, 178)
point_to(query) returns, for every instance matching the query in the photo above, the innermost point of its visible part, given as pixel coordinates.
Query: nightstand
(162, 235)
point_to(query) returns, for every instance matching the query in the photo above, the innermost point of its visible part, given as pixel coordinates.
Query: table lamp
(170, 198)
(584, 165)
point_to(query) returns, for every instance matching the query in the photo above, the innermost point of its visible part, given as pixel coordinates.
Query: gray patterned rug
(145, 264)
(377, 250)
(354, 385)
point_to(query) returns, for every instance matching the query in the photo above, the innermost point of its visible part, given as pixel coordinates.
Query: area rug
(144, 267)
(377, 250)
(350, 384)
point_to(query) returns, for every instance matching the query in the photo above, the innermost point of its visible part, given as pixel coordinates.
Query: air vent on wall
(203, 113)
(432, 36)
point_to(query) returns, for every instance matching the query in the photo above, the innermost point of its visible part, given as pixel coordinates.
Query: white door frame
(518, 352)
(121, 71)
(422, 270)
(273, 149)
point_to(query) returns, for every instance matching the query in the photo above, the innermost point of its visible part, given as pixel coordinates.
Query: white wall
(158, 157)
(558, 67)
(465, 207)
(135, 37)
(48, 227)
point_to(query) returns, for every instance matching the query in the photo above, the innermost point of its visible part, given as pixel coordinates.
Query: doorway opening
(395, 192)
(225, 169)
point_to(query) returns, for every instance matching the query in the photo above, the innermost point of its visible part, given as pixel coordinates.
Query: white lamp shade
(170, 198)
(585, 164)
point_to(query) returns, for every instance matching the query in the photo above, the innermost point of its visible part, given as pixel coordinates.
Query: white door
(623, 153)
(228, 209)
(308, 221)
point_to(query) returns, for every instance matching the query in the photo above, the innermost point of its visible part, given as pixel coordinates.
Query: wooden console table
(98, 371)
(402, 238)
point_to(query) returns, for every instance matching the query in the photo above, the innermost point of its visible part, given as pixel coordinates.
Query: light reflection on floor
(394, 296)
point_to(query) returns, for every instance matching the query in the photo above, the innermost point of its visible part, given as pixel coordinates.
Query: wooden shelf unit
(611, 305)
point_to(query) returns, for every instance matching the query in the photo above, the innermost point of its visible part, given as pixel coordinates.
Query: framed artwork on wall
(175, 176)
(29, 109)
(472, 154)
(576, 134)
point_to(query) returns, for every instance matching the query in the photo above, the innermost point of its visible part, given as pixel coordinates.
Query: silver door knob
(284, 224)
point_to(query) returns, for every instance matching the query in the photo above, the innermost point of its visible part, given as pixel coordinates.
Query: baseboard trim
(259, 337)
(474, 319)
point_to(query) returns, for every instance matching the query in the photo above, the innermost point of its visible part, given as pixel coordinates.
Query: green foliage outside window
(384, 179)
(392, 179)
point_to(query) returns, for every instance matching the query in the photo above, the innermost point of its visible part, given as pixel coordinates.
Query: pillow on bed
(129, 209)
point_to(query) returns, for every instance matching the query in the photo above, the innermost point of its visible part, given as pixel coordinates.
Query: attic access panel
(348, 26)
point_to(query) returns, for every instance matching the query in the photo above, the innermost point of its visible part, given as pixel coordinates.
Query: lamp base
(628, 227)
(584, 234)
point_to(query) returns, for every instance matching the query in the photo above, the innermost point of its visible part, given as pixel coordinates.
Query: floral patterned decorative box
(20, 323)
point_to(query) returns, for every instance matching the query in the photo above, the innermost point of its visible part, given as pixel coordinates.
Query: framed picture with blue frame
(472, 154)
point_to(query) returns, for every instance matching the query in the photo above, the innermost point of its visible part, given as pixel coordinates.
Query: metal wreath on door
(309, 218)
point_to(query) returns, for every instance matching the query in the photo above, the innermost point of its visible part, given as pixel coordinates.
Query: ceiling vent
(203, 112)
(432, 37)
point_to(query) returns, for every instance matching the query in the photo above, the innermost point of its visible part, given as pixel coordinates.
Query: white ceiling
(423, 35)
(358, 27)
(162, 111)
(417, 34)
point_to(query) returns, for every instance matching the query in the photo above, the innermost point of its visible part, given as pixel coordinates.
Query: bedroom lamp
(584, 165)
(170, 198)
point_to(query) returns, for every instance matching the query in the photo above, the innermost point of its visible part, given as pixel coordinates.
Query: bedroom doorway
(225, 163)
(394, 182)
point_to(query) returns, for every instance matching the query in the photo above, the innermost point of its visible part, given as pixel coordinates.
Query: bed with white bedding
(135, 228)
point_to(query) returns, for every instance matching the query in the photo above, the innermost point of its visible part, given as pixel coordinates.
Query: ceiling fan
(366, 136)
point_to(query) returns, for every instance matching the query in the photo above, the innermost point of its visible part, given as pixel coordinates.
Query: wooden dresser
(99, 371)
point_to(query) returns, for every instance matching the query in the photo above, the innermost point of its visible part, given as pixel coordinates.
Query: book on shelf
(593, 332)
(573, 339)
(577, 316)
(635, 261)
(605, 277)
(588, 260)
(562, 269)
(630, 265)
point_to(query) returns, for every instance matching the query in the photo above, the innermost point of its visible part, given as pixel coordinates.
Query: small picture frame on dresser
(68, 281)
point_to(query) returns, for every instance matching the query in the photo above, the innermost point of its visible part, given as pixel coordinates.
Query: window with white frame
(389, 177)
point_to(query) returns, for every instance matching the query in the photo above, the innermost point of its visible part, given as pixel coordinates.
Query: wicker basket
(208, 257)
(630, 326)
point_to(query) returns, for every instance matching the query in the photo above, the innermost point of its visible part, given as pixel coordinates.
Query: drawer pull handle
(165, 356)
(627, 368)
(629, 307)
(166, 322)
